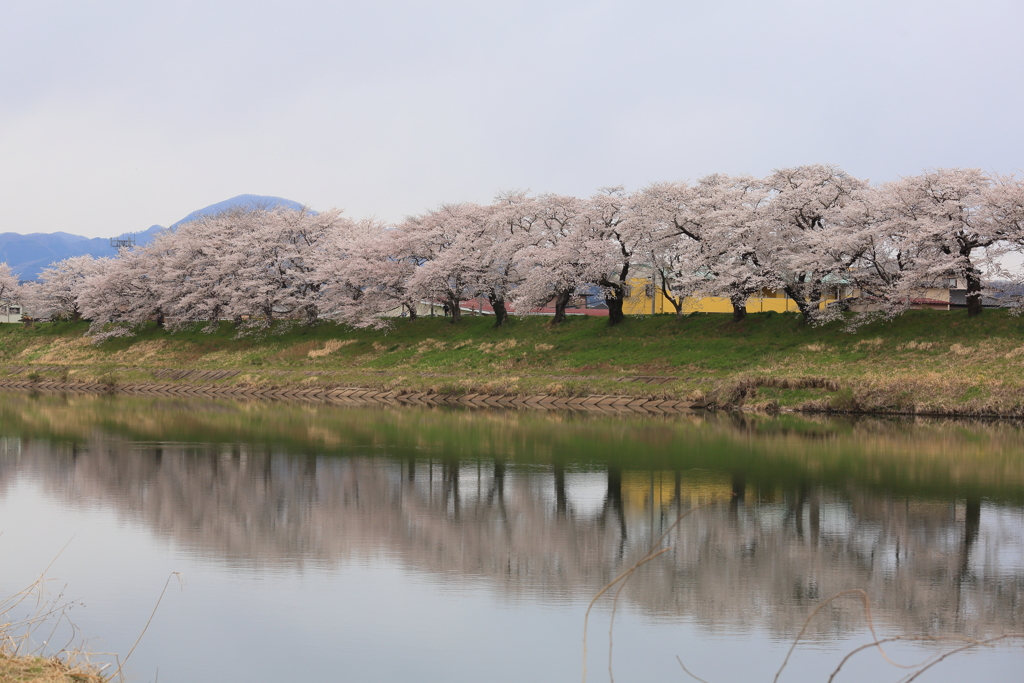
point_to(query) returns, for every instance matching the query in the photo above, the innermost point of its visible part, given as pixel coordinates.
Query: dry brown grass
(330, 346)
(141, 352)
(430, 344)
(499, 347)
(502, 386)
(960, 350)
(46, 670)
(59, 350)
(917, 346)
(23, 616)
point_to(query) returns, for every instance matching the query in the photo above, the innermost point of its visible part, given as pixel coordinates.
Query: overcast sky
(118, 115)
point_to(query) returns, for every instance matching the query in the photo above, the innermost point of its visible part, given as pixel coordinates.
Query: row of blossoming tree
(799, 231)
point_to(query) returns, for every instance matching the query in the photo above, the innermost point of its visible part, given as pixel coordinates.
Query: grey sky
(118, 115)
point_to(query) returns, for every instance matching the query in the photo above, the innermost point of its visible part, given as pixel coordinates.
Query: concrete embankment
(358, 396)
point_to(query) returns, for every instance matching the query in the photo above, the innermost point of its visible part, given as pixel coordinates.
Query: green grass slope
(925, 361)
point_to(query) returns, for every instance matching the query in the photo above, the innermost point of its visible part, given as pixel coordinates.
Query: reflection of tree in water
(761, 557)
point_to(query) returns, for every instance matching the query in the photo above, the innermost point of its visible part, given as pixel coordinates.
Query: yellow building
(644, 297)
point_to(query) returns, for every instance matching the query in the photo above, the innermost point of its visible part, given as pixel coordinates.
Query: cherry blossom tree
(60, 286)
(806, 244)
(195, 282)
(512, 226)
(561, 257)
(1004, 208)
(9, 287)
(804, 230)
(273, 256)
(612, 217)
(364, 269)
(121, 294)
(448, 244)
(253, 263)
(883, 274)
(669, 204)
(710, 243)
(957, 222)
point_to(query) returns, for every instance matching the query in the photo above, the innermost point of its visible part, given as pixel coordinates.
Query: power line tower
(122, 242)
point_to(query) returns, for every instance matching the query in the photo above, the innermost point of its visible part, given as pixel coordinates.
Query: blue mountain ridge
(29, 254)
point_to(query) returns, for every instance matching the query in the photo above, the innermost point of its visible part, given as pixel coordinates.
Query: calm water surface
(325, 543)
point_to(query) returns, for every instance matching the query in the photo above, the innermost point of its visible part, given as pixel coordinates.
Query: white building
(10, 312)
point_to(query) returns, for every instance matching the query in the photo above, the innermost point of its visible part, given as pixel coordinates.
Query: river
(313, 542)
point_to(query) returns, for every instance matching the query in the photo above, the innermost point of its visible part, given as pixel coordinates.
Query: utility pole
(122, 242)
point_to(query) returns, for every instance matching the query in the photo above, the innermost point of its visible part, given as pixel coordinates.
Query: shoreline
(362, 395)
(355, 396)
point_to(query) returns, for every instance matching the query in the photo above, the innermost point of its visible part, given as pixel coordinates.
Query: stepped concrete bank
(359, 396)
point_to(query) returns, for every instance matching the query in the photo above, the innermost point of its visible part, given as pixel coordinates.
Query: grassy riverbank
(16, 630)
(44, 670)
(926, 361)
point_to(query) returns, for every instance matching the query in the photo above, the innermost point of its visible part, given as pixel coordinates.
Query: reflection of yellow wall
(638, 301)
(695, 487)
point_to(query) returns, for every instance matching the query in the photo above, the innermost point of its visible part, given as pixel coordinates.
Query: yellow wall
(638, 303)
(641, 489)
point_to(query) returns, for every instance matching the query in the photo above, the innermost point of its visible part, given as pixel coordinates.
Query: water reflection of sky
(306, 566)
(369, 617)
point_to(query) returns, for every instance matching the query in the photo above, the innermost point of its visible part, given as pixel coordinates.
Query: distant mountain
(29, 254)
(253, 201)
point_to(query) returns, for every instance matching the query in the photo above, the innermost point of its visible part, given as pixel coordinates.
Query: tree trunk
(806, 307)
(617, 298)
(615, 314)
(739, 311)
(561, 301)
(973, 292)
(561, 500)
(613, 501)
(677, 306)
(411, 308)
(160, 319)
(805, 312)
(500, 312)
(312, 314)
(453, 304)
